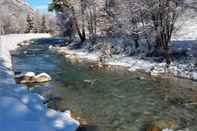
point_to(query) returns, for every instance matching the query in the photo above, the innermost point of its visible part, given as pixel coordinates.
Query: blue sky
(41, 5)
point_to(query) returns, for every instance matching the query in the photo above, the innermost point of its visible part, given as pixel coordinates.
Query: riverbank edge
(58, 120)
(183, 71)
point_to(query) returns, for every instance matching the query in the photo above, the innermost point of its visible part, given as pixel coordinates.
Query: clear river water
(114, 100)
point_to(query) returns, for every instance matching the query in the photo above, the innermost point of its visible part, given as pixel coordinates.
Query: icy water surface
(109, 100)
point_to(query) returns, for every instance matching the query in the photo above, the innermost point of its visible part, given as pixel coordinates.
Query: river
(108, 100)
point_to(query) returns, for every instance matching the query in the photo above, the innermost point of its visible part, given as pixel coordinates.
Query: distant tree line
(36, 25)
(31, 23)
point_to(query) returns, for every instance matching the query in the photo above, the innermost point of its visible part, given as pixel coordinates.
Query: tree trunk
(82, 35)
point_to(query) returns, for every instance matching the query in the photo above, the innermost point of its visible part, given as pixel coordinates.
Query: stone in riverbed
(162, 125)
(43, 77)
(31, 77)
(28, 77)
(157, 71)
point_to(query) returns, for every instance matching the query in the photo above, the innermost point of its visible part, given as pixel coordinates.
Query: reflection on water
(110, 100)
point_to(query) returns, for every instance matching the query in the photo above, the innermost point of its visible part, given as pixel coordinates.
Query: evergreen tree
(36, 27)
(43, 26)
(30, 24)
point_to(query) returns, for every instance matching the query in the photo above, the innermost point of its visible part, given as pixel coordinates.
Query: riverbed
(108, 100)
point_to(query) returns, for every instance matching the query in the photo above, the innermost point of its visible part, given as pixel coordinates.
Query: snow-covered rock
(28, 74)
(43, 77)
(31, 77)
(158, 70)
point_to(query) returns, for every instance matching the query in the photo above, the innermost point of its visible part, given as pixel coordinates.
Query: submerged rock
(96, 66)
(31, 77)
(141, 78)
(162, 125)
(91, 82)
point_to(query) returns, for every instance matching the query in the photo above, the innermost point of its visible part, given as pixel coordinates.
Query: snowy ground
(186, 26)
(21, 110)
(134, 64)
(183, 45)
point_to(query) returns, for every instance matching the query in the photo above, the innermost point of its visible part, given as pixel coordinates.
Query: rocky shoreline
(133, 64)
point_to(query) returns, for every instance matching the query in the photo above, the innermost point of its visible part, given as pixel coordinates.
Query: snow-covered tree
(149, 20)
(43, 25)
(162, 16)
(30, 24)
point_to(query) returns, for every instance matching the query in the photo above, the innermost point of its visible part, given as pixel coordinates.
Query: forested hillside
(13, 18)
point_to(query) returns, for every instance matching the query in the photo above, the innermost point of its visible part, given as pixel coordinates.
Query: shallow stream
(108, 100)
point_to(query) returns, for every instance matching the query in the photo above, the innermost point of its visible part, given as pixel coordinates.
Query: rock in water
(30, 74)
(30, 77)
(43, 77)
(162, 125)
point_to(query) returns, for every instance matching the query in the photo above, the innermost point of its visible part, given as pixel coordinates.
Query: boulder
(28, 77)
(30, 74)
(31, 77)
(42, 77)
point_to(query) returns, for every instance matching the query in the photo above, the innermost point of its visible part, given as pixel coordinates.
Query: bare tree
(65, 24)
(62, 5)
(157, 17)
(91, 19)
(163, 15)
(152, 20)
(82, 15)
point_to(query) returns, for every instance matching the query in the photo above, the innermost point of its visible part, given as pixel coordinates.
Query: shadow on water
(50, 41)
(108, 100)
(186, 49)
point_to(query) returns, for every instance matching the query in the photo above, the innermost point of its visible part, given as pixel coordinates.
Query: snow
(43, 75)
(30, 74)
(20, 109)
(83, 54)
(167, 129)
(176, 69)
(187, 26)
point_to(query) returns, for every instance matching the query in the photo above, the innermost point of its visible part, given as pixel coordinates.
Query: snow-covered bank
(20, 109)
(176, 69)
